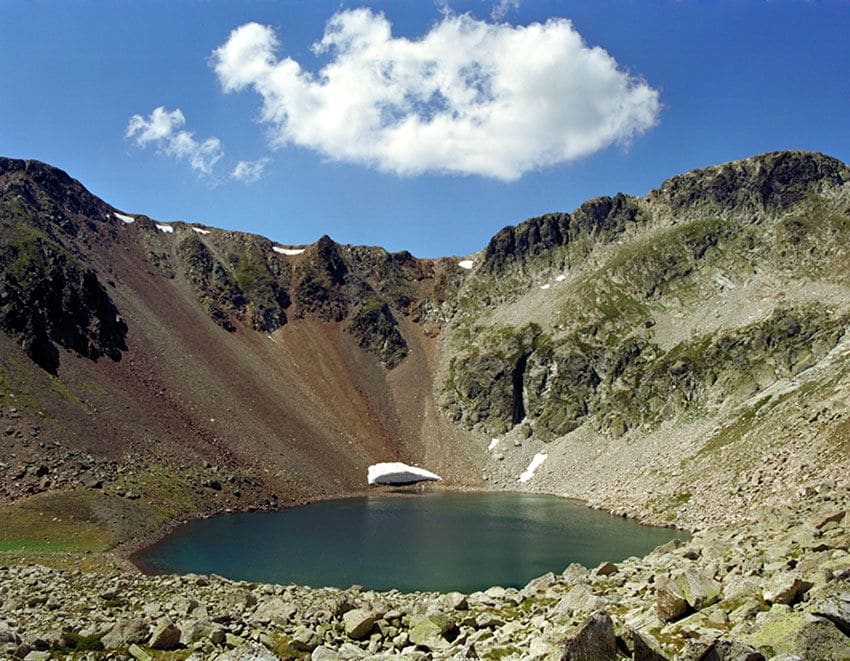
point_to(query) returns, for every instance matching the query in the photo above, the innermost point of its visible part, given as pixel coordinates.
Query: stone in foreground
(358, 623)
(594, 641)
(395, 472)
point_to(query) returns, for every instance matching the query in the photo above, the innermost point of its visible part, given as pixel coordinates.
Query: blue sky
(680, 85)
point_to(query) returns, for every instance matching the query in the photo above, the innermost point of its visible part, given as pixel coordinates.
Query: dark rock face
(487, 386)
(532, 237)
(568, 382)
(247, 288)
(772, 181)
(47, 298)
(61, 202)
(321, 282)
(600, 219)
(377, 331)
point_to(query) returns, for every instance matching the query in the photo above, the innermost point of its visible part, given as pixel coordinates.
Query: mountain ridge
(279, 375)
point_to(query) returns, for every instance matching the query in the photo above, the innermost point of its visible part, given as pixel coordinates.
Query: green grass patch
(54, 522)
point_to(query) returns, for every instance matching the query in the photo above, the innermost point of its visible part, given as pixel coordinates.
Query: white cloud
(164, 128)
(249, 171)
(468, 97)
(502, 7)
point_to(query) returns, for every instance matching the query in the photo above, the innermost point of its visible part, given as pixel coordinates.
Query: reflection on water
(434, 541)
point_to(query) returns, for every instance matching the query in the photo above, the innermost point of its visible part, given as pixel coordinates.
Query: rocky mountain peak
(767, 182)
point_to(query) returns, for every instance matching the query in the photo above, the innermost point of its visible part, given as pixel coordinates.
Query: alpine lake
(432, 541)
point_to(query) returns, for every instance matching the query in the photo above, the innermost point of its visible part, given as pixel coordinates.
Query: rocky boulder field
(777, 588)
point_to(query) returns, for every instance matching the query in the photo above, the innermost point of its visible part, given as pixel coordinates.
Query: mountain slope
(677, 357)
(639, 338)
(159, 358)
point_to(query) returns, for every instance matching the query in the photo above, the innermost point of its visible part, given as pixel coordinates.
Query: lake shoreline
(753, 593)
(124, 552)
(406, 540)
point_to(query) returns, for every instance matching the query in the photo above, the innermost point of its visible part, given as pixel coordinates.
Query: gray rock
(277, 611)
(731, 650)
(195, 631)
(836, 611)
(358, 623)
(783, 588)
(126, 632)
(580, 599)
(249, 651)
(594, 641)
(646, 648)
(430, 631)
(139, 654)
(699, 588)
(670, 602)
(35, 655)
(323, 653)
(165, 636)
(305, 639)
(455, 601)
(821, 520)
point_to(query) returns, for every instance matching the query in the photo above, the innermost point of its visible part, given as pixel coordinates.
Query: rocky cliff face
(605, 275)
(48, 297)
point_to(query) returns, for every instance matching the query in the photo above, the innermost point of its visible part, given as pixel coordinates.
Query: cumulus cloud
(249, 171)
(164, 129)
(468, 97)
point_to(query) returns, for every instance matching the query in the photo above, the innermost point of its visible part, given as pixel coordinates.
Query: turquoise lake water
(430, 541)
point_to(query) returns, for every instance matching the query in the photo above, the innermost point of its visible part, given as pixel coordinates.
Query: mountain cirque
(681, 358)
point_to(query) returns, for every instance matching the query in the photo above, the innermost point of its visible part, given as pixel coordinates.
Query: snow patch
(561, 278)
(465, 264)
(288, 251)
(395, 472)
(493, 443)
(168, 229)
(528, 473)
(126, 219)
(546, 286)
(200, 231)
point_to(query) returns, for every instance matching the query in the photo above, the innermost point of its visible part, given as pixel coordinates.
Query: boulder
(606, 569)
(783, 588)
(645, 648)
(595, 640)
(323, 653)
(277, 611)
(819, 521)
(731, 650)
(195, 631)
(670, 602)
(836, 610)
(431, 631)
(580, 600)
(35, 655)
(455, 601)
(358, 623)
(249, 651)
(784, 631)
(304, 640)
(699, 588)
(138, 653)
(125, 633)
(683, 592)
(165, 636)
